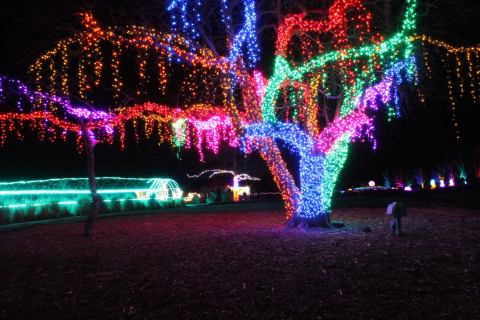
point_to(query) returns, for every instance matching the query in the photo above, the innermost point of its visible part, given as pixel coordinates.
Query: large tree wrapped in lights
(330, 70)
(333, 63)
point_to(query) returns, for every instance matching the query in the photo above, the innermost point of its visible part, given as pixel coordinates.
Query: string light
(247, 36)
(213, 172)
(458, 71)
(189, 17)
(203, 125)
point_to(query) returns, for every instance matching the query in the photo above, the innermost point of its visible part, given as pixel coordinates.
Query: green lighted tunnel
(69, 193)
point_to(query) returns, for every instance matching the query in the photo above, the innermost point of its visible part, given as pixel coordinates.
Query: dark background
(422, 138)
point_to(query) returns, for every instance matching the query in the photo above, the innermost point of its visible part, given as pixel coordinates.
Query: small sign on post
(397, 210)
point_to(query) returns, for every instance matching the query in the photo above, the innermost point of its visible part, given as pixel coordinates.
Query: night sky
(423, 137)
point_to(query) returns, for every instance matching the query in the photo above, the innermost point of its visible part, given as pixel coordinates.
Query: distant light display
(442, 183)
(451, 182)
(237, 177)
(210, 173)
(71, 192)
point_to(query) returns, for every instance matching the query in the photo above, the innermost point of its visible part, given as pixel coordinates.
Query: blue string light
(188, 12)
(246, 36)
(226, 18)
(185, 17)
(312, 166)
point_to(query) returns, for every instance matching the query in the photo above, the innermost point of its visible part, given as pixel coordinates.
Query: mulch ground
(245, 265)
